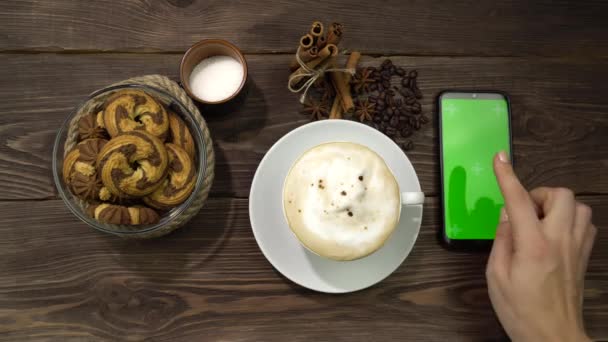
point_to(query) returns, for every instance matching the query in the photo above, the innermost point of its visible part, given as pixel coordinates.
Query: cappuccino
(341, 200)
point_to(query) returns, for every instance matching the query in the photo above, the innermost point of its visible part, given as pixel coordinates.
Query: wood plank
(497, 28)
(62, 280)
(560, 120)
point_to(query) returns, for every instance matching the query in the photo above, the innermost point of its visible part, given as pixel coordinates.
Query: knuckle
(593, 231)
(584, 211)
(564, 193)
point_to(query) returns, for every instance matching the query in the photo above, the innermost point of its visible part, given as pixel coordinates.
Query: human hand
(537, 266)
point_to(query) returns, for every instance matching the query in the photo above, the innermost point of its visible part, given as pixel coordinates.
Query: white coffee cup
(347, 241)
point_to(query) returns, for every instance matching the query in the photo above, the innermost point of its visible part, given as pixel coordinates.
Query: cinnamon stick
(336, 108)
(306, 42)
(321, 41)
(334, 33)
(341, 82)
(305, 56)
(322, 59)
(316, 30)
(351, 63)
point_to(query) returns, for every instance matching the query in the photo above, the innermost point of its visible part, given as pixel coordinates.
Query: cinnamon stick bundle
(334, 33)
(327, 52)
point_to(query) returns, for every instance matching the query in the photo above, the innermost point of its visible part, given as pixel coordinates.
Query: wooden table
(61, 280)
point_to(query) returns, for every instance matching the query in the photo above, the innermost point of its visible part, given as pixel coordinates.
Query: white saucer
(282, 248)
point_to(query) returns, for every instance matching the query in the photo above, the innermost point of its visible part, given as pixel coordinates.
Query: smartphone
(473, 127)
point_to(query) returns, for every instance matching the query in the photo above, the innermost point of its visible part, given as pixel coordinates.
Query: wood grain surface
(393, 27)
(559, 130)
(62, 281)
(209, 281)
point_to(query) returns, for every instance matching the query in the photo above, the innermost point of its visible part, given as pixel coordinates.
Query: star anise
(317, 109)
(363, 80)
(365, 110)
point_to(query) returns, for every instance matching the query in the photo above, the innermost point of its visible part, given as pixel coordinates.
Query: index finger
(518, 204)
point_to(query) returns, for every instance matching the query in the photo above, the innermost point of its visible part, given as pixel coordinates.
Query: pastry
(130, 110)
(106, 196)
(180, 134)
(118, 214)
(179, 183)
(79, 171)
(89, 129)
(133, 164)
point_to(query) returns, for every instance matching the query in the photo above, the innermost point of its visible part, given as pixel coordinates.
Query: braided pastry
(118, 214)
(179, 182)
(79, 171)
(130, 110)
(133, 164)
(180, 134)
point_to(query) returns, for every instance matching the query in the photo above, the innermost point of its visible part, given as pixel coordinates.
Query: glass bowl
(170, 219)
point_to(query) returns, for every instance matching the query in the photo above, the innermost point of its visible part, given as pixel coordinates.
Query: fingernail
(502, 156)
(503, 215)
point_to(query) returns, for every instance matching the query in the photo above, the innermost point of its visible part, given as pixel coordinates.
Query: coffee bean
(408, 146)
(377, 119)
(387, 63)
(376, 74)
(416, 108)
(417, 124)
(379, 100)
(380, 87)
(392, 69)
(390, 111)
(413, 74)
(385, 118)
(407, 93)
(380, 107)
(394, 121)
(410, 101)
(398, 102)
(417, 92)
(373, 86)
(424, 119)
(405, 82)
(386, 84)
(391, 131)
(400, 71)
(406, 132)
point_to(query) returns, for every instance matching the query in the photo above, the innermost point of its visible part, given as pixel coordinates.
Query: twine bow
(312, 74)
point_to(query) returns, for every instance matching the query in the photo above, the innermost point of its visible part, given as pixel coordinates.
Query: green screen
(473, 131)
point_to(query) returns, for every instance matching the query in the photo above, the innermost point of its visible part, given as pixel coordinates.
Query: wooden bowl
(208, 48)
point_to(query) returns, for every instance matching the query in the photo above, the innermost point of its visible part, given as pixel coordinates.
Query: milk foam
(341, 200)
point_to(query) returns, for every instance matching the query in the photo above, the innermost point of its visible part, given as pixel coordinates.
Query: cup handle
(412, 198)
